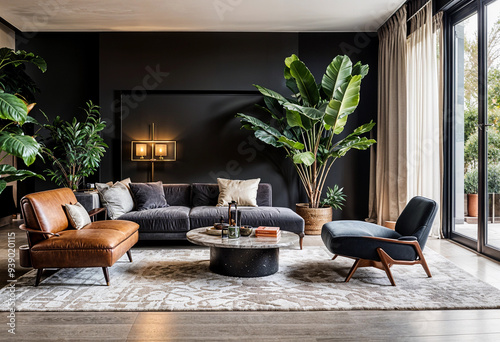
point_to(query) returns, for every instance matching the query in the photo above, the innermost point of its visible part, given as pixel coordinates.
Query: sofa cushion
(243, 192)
(207, 194)
(148, 195)
(77, 215)
(116, 198)
(96, 235)
(178, 194)
(169, 219)
(285, 218)
(204, 216)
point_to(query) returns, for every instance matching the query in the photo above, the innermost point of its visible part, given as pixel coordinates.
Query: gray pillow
(116, 199)
(148, 195)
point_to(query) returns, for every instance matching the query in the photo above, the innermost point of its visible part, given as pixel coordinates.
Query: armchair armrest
(408, 238)
(35, 231)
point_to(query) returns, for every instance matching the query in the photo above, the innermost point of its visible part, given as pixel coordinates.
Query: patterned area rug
(179, 280)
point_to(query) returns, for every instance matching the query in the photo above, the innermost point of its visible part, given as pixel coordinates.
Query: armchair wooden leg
(129, 254)
(386, 261)
(301, 238)
(353, 269)
(38, 276)
(335, 257)
(422, 260)
(106, 275)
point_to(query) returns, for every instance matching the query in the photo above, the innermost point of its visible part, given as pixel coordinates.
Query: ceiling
(198, 15)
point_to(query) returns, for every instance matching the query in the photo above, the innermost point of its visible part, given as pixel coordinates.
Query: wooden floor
(445, 325)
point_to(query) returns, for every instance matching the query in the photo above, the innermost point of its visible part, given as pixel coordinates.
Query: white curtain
(424, 136)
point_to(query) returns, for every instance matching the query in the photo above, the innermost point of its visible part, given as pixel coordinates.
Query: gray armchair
(376, 246)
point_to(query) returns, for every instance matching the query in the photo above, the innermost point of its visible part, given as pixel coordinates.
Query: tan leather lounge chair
(53, 243)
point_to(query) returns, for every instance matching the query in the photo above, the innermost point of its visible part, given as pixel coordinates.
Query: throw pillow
(244, 192)
(116, 199)
(77, 215)
(148, 195)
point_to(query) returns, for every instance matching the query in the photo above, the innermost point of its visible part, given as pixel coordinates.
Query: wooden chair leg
(129, 254)
(106, 275)
(301, 238)
(38, 276)
(422, 260)
(353, 269)
(386, 261)
(335, 256)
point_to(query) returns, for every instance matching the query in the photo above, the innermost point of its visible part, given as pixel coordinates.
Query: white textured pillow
(116, 198)
(244, 192)
(77, 215)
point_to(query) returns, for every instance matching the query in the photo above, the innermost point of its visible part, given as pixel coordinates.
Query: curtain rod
(414, 14)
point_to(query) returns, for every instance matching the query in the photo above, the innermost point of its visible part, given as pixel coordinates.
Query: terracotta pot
(472, 205)
(314, 218)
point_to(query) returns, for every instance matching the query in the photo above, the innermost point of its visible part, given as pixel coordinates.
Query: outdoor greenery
(471, 180)
(17, 91)
(307, 125)
(335, 198)
(77, 147)
(471, 109)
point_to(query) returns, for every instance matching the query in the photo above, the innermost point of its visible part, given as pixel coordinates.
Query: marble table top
(197, 236)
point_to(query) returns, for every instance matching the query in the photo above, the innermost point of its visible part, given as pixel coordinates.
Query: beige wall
(8, 39)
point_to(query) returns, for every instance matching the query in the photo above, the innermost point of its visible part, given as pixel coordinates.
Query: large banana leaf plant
(16, 91)
(307, 125)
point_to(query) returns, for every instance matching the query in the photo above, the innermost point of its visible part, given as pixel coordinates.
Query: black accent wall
(191, 85)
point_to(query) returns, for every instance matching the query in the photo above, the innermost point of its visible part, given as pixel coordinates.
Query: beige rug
(179, 280)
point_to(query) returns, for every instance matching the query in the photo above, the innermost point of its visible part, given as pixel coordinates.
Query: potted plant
(308, 124)
(77, 147)
(470, 188)
(16, 101)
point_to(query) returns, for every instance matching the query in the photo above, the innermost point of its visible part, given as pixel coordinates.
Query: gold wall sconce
(153, 151)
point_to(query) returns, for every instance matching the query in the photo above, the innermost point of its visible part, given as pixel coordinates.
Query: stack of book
(270, 232)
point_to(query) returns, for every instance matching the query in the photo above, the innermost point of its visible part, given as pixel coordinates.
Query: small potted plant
(470, 188)
(335, 198)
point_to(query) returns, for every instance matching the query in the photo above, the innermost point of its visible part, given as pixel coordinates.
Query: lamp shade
(160, 150)
(140, 150)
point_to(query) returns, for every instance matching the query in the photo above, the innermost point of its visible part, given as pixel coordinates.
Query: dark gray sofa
(194, 205)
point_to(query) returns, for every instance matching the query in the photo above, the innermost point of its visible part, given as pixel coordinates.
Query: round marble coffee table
(248, 256)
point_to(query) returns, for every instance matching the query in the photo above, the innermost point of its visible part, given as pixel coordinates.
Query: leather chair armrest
(35, 231)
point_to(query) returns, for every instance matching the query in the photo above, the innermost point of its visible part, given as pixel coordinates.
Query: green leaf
(274, 106)
(258, 124)
(360, 69)
(293, 119)
(338, 109)
(337, 73)
(267, 138)
(291, 143)
(311, 113)
(16, 175)
(12, 108)
(343, 146)
(270, 93)
(362, 129)
(305, 82)
(306, 158)
(21, 146)
(3, 185)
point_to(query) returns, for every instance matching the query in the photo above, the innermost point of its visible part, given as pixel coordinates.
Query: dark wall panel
(71, 79)
(191, 85)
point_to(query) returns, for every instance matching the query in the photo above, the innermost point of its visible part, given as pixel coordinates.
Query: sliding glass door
(475, 110)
